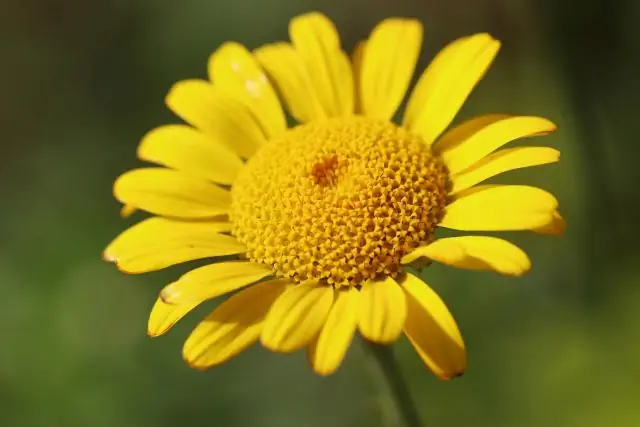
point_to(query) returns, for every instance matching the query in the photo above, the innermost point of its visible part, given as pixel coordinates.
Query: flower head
(323, 218)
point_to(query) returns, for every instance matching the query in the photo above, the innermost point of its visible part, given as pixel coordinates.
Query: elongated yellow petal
(388, 63)
(232, 327)
(212, 281)
(156, 243)
(315, 37)
(503, 161)
(475, 253)
(233, 69)
(554, 227)
(500, 207)
(461, 153)
(163, 316)
(326, 353)
(356, 65)
(382, 310)
(171, 193)
(460, 133)
(296, 317)
(288, 70)
(432, 330)
(226, 119)
(184, 148)
(446, 84)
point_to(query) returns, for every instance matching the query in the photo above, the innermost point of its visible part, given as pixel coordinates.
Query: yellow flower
(322, 218)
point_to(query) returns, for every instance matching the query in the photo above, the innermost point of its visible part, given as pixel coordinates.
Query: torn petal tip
(168, 295)
(127, 211)
(453, 376)
(109, 257)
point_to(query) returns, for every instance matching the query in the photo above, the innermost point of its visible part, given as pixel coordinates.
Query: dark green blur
(82, 81)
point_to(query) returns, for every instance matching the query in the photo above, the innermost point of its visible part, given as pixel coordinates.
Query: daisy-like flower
(317, 222)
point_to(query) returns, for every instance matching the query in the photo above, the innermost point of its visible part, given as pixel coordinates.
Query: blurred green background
(82, 81)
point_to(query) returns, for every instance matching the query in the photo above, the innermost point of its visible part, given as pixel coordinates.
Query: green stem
(398, 387)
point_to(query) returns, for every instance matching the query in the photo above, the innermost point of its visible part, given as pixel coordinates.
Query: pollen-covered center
(339, 201)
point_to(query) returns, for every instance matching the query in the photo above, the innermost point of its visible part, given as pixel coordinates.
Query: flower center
(339, 201)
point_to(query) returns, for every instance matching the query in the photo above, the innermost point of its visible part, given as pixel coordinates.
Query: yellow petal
(226, 119)
(554, 227)
(288, 71)
(432, 330)
(328, 350)
(475, 253)
(460, 133)
(356, 65)
(212, 281)
(233, 68)
(163, 316)
(382, 310)
(171, 193)
(232, 327)
(315, 37)
(296, 317)
(463, 151)
(465, 130)
(127, 211)
(503, 161)
(387, 65)
(184, 148)
(156, 243)
(500, 207)
(432, 76)
(446, 84)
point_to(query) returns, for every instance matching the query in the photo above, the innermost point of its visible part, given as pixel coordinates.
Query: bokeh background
(82, 81)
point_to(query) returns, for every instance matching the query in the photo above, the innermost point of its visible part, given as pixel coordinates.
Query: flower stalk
(398, 389)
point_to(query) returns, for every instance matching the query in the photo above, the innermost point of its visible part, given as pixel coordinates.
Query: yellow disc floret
(339, 201)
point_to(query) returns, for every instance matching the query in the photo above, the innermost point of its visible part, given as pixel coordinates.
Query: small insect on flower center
(339, 201)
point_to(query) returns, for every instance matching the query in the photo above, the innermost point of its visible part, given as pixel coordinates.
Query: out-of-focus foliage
(83, 81)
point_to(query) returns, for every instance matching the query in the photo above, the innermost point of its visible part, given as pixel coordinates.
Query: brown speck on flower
(325, 172)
